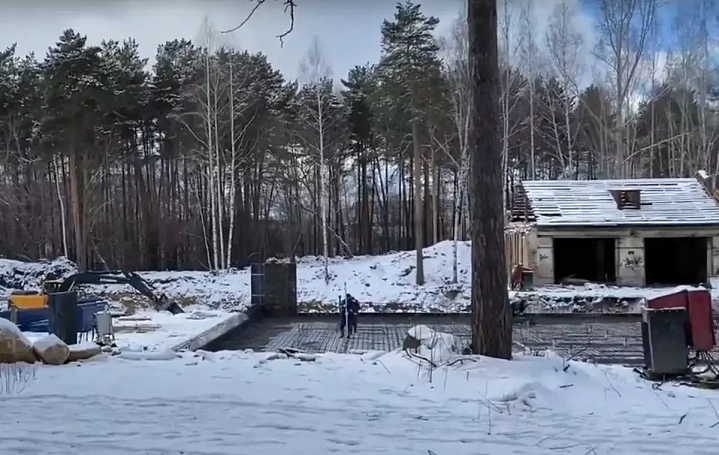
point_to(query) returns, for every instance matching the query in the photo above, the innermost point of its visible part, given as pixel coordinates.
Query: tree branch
(290, 6)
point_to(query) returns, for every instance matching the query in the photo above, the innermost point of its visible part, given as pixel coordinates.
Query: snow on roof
(674, 202)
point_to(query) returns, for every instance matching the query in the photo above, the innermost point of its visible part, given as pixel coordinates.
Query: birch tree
(458, 76)
(320, 119)
(240, 81)
(509, 44)
(529, 63)
(216, 96)
(565, 44)
(624, 26)
(208, 95)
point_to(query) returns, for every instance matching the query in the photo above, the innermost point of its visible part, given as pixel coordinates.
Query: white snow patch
(344, 403)
(437, 347)
(380, 283)
(148, 355)
(153, 331)
(8, 327)
(48, 341)
(83, 346)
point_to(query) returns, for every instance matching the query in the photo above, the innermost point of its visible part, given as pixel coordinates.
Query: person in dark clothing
(349, 309)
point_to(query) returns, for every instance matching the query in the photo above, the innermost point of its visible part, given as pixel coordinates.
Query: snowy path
(236, 403)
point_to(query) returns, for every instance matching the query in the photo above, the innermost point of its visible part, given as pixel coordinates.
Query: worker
(349, 309)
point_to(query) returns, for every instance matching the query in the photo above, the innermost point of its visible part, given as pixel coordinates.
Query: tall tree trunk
(77, 215)
(418, 206)
(491, 318)
(63, 222)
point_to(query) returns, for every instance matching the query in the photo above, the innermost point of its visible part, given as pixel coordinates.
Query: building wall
(629, 250)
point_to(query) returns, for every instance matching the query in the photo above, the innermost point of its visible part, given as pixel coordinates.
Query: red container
(701, 322)
(699, 310)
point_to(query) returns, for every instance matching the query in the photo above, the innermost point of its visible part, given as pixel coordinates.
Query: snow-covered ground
(239, 403)
(380, 283)
(383, 281)
(153, 331)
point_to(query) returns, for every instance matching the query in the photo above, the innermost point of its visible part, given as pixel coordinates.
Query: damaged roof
(666, 202)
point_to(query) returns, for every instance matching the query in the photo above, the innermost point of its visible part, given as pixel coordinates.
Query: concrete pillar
(713, 260)
(630, 261)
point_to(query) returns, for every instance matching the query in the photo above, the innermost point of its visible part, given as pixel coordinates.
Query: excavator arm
(159, 301)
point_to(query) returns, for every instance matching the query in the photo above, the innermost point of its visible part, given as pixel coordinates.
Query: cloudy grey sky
(348, 30)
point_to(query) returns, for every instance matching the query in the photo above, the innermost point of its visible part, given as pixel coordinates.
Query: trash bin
(527, 279)
(64, 315)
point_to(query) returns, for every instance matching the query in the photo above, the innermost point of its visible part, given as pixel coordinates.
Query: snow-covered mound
(390, 280)
(432, 347)
(379, 282)
(30, 275)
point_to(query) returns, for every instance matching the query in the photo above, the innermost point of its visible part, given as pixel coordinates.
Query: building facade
(638, 232)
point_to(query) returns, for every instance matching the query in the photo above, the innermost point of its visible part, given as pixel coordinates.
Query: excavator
(38, 300)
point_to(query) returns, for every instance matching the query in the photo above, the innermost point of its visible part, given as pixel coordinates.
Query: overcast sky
(348, 30)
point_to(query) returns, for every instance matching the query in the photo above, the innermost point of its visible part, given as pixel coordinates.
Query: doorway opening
(585, 259)
(675, 260)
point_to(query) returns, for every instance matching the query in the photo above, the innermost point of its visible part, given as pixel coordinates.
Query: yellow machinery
(30, 300)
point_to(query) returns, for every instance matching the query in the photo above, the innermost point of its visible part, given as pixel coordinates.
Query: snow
(435, 347)
(598, 297)
(83, 346)
(380, 283)
(386, 281)
(153, 331)
(241, 403)
(46, 342)
(29, 275)
(10, 330)
(676, 202)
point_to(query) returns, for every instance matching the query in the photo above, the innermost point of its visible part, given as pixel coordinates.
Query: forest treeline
(210, 158)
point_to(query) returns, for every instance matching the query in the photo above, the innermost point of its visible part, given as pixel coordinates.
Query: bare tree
(458, 75)
(565, 44)
(491, 319)
(238, 103)
(289, 5)
(317, 72)
(530, 61)
(624, 27)
(508, 46)
(221, 102)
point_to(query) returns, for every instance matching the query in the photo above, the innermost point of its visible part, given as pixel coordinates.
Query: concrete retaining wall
(212, 333)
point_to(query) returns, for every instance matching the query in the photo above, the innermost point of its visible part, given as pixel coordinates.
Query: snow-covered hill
(386, 281)
(380, 283)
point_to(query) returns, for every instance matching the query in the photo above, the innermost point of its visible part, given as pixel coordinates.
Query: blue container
(37, 320)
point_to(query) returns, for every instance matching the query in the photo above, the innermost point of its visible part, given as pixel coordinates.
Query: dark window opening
(675, 260)
(627, 199)
(584, 259)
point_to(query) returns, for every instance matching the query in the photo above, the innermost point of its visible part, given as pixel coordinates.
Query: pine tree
(409, 59)
(491, 316)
